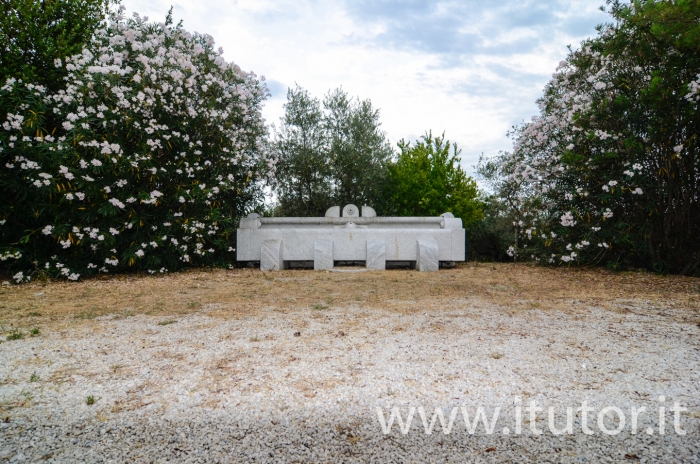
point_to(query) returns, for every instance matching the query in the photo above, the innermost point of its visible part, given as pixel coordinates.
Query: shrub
(489, 238)
(145, 161)
(611, 164)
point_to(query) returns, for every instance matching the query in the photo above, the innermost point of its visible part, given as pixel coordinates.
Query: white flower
(678, 148)
(139, 253)
(567, 219)
(612, 183)
(18, 277)
(606, 188)
(607, 213)
(116, 203)
(47, 230)
(113, 231)
(80, 195)
(637, 191)
(96, 162)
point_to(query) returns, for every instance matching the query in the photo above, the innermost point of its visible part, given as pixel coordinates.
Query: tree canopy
(34, 33)
(427, 180)
(330, 155)
(611, 166)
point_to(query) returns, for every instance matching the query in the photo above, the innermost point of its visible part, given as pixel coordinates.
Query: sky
(471, 69)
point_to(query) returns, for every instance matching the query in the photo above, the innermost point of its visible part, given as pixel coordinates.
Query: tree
(359, 151)
(427, 180)
(331, 156)
(614, 155)
(303, 181)
(34, 33)
(154, 149)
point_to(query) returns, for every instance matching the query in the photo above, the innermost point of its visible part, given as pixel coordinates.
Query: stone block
(323, 255)
(350, 235)
(368, 211)
(351, 211)
(271, 256)
(376, 255)
(427, 256)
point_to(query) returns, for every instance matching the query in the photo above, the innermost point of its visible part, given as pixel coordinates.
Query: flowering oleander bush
(608, 172)
(144, 160)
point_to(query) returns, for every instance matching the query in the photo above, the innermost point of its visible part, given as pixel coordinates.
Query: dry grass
(242, 292)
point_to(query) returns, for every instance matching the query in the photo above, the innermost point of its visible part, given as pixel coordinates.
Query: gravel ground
(304, 384)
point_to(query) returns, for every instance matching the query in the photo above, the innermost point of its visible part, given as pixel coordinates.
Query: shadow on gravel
(225, 439)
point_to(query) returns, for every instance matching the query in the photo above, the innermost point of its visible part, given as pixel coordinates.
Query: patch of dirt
(242, 293)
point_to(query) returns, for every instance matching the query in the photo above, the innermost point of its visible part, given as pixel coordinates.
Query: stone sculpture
(359, 235)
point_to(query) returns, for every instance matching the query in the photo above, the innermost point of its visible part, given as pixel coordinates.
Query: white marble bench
(425, 241)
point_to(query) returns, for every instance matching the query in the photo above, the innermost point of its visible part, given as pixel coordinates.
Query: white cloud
(471, 69)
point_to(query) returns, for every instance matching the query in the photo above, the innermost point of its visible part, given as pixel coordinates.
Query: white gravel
(207, 389)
